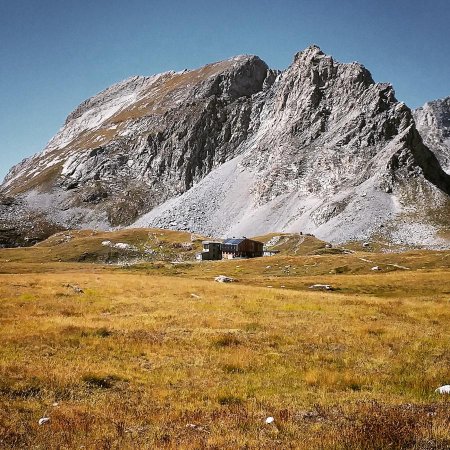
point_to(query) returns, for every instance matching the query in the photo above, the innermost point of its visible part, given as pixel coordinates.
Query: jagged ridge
(235, 147)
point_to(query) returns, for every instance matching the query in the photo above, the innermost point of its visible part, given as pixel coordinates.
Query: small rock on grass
(323, 287)
(443, 389)
(224, 279)
(75, 288)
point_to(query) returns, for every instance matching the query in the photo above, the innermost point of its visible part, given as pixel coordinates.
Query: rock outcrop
(238, 148)
(433, 123)
(21, 226)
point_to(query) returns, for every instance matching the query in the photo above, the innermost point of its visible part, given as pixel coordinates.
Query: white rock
(270, 420)
(324, 287)
(224, 279)
(443, 389)
(124, 246)
(43, 420)
(375, 268)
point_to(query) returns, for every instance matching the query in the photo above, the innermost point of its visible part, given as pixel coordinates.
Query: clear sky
(56, 53)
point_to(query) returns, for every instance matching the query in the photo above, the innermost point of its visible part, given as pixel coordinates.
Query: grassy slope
(86, 246)
(137, 361)
(292, 243)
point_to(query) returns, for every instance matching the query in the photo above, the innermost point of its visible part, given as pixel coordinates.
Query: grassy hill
(292, 243)
(109, 247)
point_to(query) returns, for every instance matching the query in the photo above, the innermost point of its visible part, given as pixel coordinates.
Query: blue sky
(56, 53)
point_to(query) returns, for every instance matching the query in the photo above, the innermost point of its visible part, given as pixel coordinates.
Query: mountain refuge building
(241, 248)
(231, 248)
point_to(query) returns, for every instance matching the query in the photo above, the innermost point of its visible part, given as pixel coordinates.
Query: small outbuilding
(241, 248)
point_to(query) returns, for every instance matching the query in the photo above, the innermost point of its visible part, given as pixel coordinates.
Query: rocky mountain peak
(311, 53)
(235, 147)
(241, 76)
(322, 67)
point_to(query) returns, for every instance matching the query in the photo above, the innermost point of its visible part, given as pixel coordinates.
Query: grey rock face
(20, 226)
(142, 141)
(433, 123)
(333, 154)
(235, 147)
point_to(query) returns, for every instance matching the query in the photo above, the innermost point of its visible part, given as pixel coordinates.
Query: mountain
(237, 148)
(433, 123)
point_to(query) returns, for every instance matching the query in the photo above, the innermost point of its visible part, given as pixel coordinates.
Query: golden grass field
(158, 355)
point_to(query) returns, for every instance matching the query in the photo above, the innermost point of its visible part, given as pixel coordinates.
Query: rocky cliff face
(141, 142)
(433, 123)
(237, 148)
